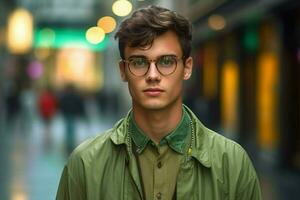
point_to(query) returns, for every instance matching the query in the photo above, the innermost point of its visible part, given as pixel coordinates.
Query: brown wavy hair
(146, 24)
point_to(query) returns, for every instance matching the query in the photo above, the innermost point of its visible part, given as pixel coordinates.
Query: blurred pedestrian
(47, 104)
(12, 107)
(72, 107)
(29, 107)
(160, 150)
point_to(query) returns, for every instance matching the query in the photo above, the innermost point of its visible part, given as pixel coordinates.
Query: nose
(153, 73)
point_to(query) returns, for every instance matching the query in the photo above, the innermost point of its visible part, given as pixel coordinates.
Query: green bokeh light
(63, 38)
(251, 37)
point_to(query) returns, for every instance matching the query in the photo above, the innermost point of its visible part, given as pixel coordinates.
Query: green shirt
(159, 164)
(106, 168)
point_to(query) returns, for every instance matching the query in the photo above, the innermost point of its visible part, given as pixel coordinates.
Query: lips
(153, 91)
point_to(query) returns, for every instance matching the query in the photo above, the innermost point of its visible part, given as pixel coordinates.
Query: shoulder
(224, 155)
(212, 144)
(232, 165)
(90, 149)
(224, 152)
(213, 149)
(226, 160)
(217, 144)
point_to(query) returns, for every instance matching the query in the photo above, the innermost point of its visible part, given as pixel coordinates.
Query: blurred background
(59, 84)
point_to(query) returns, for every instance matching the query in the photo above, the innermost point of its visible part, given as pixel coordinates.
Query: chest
(124, 182)
(158, 169)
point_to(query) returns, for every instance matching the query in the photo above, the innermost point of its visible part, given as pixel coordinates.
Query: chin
(153, 105)
(156, 104)
(150, 104)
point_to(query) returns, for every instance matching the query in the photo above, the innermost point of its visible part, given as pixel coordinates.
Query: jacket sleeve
(248, 184)
(68, 188)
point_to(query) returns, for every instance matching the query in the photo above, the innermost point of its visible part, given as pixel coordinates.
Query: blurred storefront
(247, 66)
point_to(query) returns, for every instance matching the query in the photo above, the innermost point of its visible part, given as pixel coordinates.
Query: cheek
(133, 89)
(177, 81)
(175, 87)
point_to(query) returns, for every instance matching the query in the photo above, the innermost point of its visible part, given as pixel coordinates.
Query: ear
(122, 71)
(188, 67)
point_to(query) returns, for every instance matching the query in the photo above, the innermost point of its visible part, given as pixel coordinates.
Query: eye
(138, 62)
(167, 61)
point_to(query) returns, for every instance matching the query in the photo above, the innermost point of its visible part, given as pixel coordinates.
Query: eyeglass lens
(139, 66)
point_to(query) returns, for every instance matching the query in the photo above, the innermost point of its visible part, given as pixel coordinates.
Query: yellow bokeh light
(267, 99)
(122, 7)
(217, 22)
(19, 196)
(107, 23)
(229, 96)
(95, 35)
(80, 67)
(20, 31)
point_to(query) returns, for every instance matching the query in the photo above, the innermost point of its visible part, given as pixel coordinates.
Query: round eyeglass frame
(150, 61)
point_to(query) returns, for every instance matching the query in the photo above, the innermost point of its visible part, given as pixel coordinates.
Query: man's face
(154, 91)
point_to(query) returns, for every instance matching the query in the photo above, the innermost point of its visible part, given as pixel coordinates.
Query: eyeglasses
(165, 65)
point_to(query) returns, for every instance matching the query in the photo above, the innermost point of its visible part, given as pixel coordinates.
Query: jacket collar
(200, 148)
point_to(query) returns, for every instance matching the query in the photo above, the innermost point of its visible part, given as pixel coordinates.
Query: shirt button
(159, 165)
(158, 195)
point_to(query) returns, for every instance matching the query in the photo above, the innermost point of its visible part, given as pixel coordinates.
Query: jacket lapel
(120, 137)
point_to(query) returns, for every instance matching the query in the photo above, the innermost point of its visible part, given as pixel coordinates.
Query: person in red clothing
(47, 104)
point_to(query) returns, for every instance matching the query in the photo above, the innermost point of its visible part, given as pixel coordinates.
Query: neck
(157, 123)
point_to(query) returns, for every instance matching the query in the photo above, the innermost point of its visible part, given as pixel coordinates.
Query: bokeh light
(35, 70)
(122, 8)
(19, 195)
(48, 37)
(95, 35)
(42, 53)
(107, 23)
(20, 31)
(216, 22)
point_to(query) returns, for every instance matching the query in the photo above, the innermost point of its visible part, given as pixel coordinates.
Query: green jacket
(105, 168)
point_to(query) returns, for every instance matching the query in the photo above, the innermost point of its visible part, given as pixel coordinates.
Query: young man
(160, 150)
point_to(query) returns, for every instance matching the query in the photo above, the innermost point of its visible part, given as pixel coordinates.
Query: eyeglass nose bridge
(154, 61)
(150, 61)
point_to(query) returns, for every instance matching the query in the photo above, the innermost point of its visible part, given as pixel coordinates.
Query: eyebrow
(137, 56)
(143, 56)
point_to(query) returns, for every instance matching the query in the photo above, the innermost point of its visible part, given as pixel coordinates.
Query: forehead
(165, 44)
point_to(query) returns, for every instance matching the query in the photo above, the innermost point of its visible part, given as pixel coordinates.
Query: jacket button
(158, 195)
(159, 165)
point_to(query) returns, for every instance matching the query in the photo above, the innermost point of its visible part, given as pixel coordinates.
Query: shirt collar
(176, 139)
(201, 145)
